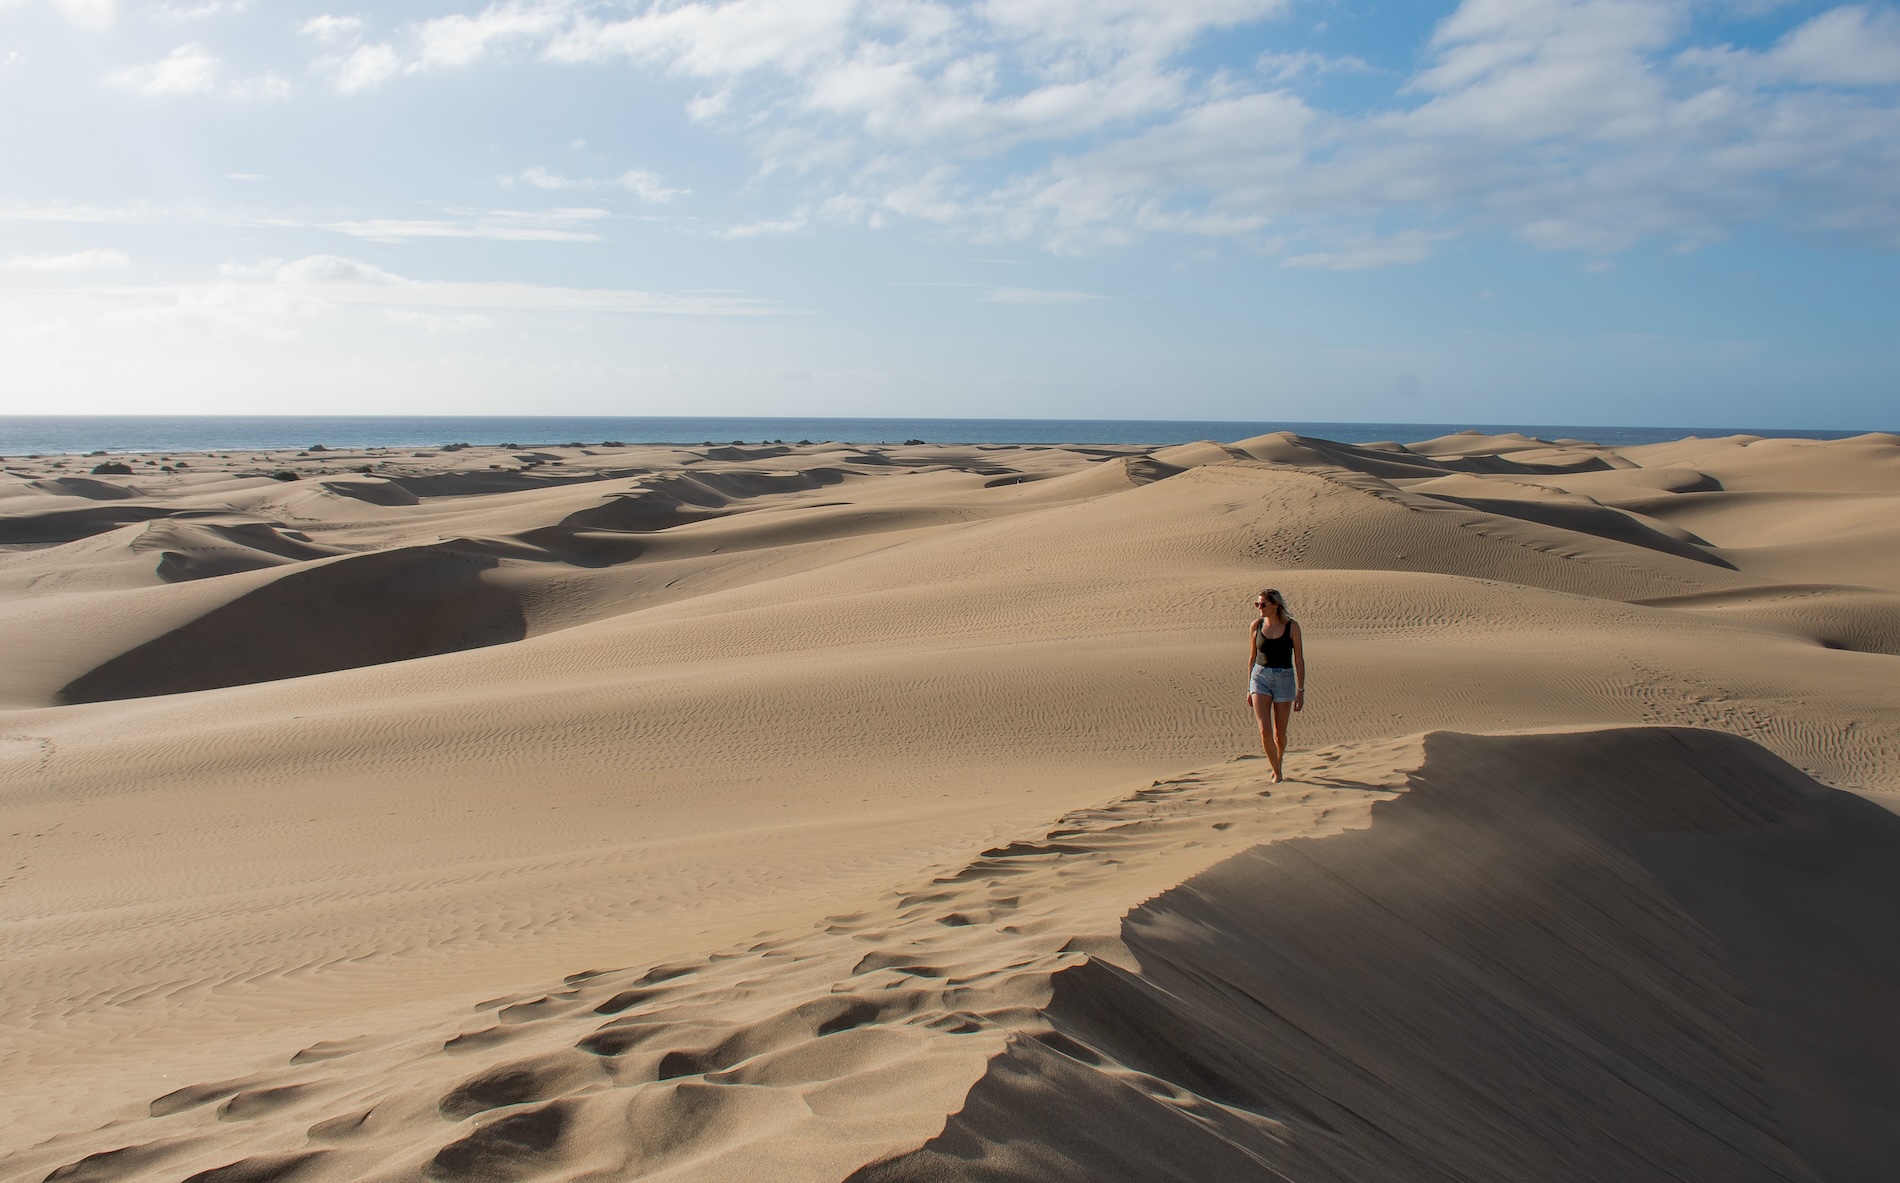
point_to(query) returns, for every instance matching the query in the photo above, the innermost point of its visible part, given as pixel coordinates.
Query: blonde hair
(1273, 596)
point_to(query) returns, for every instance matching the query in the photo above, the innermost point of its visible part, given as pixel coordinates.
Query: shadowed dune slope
(1585, 518)
(70, 525)
(354, 611)
(1637, 955)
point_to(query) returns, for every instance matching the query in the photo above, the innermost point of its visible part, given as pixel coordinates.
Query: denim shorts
(1276, 684)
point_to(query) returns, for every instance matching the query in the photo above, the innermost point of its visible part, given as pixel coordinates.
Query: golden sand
(819, 812)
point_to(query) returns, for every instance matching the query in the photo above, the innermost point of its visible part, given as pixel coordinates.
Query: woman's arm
(1299, 665)
(1253, 645)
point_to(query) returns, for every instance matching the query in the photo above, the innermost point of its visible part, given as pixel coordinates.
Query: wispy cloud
(338, 280)
(199, 11)
(762, 229)
(1850, 46)
(326, 269)
(99, 258)
(346, 281)
(95, 16)
(552, 225)
(1288, 66)
(365, 68)
(278, 300)
(192, 70)
(641, 183)
(558, 225)
(332, 30)
(189, 69)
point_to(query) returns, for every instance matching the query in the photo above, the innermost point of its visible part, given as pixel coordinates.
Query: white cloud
(366, 67)
(198, 12)
(276, 301)
(1081, 124)
(1850, 46)
(459, 41)
(714, 39)
(704, 107)
(320, 269)
(90, 260)
(643, 184)
(332, 30)
(541, 178)
(762, 229)
(193, 69)
(557, 225)
(94, 16)
(336, 280)
(647, 186)
(218, 311)
(1286, 67)
(189, 69)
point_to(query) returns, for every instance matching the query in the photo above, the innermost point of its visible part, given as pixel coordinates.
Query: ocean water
(22, 435)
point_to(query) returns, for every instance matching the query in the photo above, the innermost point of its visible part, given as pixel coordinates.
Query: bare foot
(1273, 777)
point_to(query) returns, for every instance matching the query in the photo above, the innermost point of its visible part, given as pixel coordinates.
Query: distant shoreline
(22, 435)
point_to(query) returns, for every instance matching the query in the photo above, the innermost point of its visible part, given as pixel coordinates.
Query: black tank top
(1274, 652)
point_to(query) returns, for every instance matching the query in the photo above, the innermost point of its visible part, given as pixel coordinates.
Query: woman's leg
(1282, 715)
(1262, 705)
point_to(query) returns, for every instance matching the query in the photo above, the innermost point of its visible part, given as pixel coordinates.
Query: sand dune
(1632, 955)
(297, 772)
(1571, 956)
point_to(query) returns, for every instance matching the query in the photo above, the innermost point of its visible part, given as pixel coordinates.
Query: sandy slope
(329, 761)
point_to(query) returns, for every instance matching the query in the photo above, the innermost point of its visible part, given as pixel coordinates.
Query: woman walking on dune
(1276, 674)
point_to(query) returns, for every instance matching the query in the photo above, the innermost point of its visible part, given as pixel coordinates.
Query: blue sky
(1540, 211)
